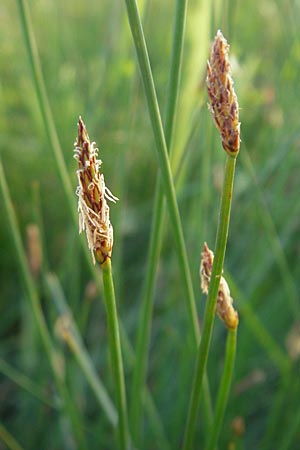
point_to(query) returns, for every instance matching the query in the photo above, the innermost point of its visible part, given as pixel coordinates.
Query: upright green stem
(162, 155)
(115, 351)
(209, 314)
(144, 327)
(223, 389)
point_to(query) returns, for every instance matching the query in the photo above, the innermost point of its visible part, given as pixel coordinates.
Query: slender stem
(143, 333)
(209, 314)
(115, 351)
(223, 389)
(162, 155)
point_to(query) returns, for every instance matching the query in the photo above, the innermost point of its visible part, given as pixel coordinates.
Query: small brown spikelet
(92, 195)
(225, 310)
(222, 97)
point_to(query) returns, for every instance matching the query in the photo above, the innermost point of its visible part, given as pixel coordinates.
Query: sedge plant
(225, 111)
(95, 221)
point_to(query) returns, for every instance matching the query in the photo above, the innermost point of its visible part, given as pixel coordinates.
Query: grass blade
(162, 155)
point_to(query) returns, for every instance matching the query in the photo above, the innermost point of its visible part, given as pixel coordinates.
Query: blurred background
(89, 67)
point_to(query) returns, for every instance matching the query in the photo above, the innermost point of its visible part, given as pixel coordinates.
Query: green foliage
(89, 68)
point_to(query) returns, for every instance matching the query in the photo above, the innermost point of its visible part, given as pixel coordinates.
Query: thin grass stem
(209, 315)
(162, 155)
(224, 389)
(143, 333)
(116, 355)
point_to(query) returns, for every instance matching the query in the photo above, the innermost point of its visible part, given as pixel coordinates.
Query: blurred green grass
(89, 68)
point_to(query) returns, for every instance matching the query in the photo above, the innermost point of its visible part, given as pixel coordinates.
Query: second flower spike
(225, 309)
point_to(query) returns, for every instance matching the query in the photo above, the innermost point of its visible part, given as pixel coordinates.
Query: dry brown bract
(92, 195)
(223, 100)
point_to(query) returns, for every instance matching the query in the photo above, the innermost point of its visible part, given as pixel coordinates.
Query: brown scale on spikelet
(225, 310)
(223, 100)
(92, 195)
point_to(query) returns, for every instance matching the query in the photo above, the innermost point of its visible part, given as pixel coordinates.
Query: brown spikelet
(225, 309)
(92, 197)
(222, 97)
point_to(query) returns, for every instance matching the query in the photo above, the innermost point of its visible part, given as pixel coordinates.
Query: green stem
(115, 351)
(143, 333)
(224, 389)
(162, 155)
(209, 314)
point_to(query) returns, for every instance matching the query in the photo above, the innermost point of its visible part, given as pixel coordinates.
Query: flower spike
(222, 97)
(92, 197)
(225, 309)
